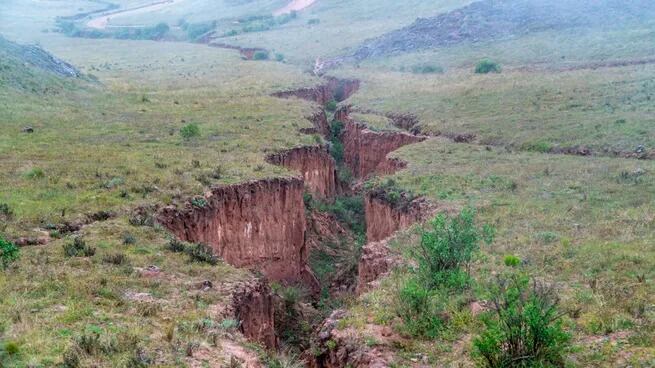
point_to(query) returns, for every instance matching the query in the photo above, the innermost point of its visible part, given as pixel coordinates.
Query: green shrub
(9, 253)
(34, 173)
(331, 105)
(190, 131)
(6, 211)
(202, 253)
(115, 259)
(260, 55)
(129, 239)
(525, 329)
(348, 210)
(447, 247)
(418, 310)
(279, 57)
(427, 69)
(487, 66)
(78, 248)
(512, 261)
(313, 21)
(176, 246)
(10, 348)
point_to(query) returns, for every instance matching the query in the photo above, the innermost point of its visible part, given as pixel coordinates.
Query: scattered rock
(27, 129)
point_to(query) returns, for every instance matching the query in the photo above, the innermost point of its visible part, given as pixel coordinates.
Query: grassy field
(583, 224)
(114, 141)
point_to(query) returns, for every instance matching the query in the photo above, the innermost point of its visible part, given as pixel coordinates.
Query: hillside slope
(494, 20)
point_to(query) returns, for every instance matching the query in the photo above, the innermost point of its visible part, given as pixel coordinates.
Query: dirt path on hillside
(294, 5)
(102, 21)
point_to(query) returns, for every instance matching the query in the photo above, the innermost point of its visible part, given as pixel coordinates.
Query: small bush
(418, 311)
(427, 69)
(176, 246)
(447, 248)
(313, 21)
(512, 261)
(34, 173)
(6, 211)
(128, 239)
(331, 105)
(279, 57)
(9, 253)
(525, 329)
(261, 55)
(190, 131)
(202, 253)
(115, 259)
(78, 248)
(9, 348)
(199, 202)
(229, 324)
(487, 66)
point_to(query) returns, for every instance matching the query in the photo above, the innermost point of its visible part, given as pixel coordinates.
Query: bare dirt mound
(493, 19)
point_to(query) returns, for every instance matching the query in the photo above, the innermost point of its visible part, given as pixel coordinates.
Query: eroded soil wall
(383, 218)
(316, 166)
(258, 224)
(333, 89)
(365, 151)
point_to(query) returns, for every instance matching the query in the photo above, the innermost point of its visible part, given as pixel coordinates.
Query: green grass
(70, 297)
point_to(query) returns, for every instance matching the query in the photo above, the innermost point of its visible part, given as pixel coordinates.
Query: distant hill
(29, 67)
(500, 19)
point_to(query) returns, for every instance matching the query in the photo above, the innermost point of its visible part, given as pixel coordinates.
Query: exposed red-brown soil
(376, 261)
(365, 151)
(258, 224)
(343, 114)
(253, 308)
(347, 347)
(247, 53)
(320, 123)
(316, 166)
(383, 218)
(334, 89)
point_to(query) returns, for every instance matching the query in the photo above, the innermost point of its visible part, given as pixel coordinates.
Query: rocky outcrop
(333, 89)
(376, 261)
(384, 218)
(253, 308)
(365, 150)
(258, 224)
(316, 166)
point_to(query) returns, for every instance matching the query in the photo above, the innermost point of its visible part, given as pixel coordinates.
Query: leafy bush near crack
(525, 327)
(78, 248)
(9, 253)
(446, 248)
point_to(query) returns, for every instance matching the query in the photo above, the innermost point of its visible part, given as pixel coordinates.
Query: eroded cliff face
(384, 218)
(365, 151)
(316, 166)
(375, 262)
(253, 308)
(258, 224)
(333, 89)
